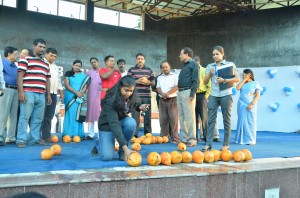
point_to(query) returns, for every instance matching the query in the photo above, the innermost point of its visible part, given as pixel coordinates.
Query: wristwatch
(224, 81)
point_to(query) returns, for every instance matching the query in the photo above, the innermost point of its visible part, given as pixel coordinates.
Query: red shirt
(109, 82)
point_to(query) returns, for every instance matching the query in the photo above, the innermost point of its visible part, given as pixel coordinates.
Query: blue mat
(77, 155)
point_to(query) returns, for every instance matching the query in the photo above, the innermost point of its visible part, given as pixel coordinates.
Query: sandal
(206, 148)
(224, 148)
(21, 145)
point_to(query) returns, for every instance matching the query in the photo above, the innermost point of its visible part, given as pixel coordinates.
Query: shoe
(40, 142)
(206, 148)
(189, 144)
(21, 145)
(1, 143)
(88, 138)
(47, 139)
(216, 140)
(94, 151)
(175, 142)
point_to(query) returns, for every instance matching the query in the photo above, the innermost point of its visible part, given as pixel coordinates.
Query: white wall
(287, 117)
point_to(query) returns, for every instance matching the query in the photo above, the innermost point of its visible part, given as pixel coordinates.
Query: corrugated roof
(184, 8)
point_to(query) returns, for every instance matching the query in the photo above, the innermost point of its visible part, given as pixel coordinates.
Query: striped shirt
(36, 73)
(143, 91)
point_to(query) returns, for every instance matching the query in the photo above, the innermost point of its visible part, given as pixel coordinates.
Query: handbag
(82, 109)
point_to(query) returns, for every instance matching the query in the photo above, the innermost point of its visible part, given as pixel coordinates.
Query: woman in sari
(76, 84)
(247, 109)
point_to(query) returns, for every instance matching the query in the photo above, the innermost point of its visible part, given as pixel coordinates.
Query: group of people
(212, 88)
(109, 95)
(182, 98)
(29, 99)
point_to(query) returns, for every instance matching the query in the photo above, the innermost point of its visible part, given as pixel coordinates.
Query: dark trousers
(147, 118)
(201, 115)
(48, 116)
(226, 105)
(168, 118)
(157, 100)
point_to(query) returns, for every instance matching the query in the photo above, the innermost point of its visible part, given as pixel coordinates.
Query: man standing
(202, 95)
(122, 65)
(33, 81)
(2, 82)
(93, 98)
(109, 75)
(201, 110)
(9, 101)
(168, 108)
(55, 88)
(188, 83)
(144, 79)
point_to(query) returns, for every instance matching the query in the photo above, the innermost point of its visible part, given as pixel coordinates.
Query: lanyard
(216, 71)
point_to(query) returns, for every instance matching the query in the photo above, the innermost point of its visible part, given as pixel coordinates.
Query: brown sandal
(21, 145)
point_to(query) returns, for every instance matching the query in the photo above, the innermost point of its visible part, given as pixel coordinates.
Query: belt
(11, 86)
(169, 98)
(201, 92)
(184, 88)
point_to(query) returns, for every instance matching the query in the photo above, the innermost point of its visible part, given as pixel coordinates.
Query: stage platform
(75, 173)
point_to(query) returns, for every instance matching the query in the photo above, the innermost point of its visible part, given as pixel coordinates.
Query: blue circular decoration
(264, 88)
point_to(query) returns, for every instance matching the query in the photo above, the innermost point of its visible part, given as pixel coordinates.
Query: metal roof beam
(224, 4)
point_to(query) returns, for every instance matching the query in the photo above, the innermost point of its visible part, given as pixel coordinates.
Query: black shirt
(109, 120)
(188, 76)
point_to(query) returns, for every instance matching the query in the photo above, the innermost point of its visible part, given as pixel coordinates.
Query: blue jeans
(106, 145)
(33, 108)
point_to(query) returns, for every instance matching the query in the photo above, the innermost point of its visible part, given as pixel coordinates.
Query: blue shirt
(10, 72)
(2, 82)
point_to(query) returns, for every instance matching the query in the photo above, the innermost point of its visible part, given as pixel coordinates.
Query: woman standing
(220, 95)
(247, 109)
(114, 122)
(76, 84)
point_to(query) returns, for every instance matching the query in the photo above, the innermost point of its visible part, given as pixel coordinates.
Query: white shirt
(166, 83)
(124, 73)
(55, 80)
(2, 82)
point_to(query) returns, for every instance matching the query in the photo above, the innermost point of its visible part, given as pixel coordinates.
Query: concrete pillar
(89, 11)
(22, 4)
